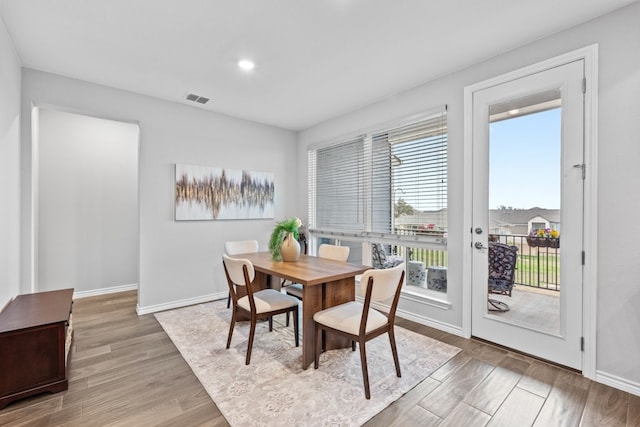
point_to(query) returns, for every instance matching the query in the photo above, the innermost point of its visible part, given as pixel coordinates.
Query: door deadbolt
(478, 230)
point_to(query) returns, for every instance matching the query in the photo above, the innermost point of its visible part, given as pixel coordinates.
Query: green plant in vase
(280, 231)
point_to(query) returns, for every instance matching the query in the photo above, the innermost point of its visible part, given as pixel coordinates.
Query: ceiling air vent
(196, 98)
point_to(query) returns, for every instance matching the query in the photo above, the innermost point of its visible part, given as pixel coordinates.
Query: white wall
(87, 190)
(180, 262)
(10, 83)
(618, 283)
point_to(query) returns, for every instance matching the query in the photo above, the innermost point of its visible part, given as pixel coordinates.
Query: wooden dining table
(325, 283)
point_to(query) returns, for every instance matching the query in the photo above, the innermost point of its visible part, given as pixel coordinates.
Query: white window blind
(409, 170)
(338, 177)
(390, 184)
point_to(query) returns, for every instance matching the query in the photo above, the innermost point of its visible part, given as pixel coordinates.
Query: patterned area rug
(274, 390)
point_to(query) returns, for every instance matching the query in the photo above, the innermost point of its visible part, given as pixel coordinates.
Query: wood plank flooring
(125, 371)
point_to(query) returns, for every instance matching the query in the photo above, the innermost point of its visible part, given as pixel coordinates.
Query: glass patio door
(528, 196)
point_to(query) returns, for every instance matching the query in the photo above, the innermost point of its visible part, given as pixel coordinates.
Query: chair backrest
(378, 255)
(334, 252)
(234, 268)
(386, 282)
(502, 262)
(235, 247)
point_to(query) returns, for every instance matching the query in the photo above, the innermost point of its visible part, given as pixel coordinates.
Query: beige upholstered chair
(235, 247)
(336, 253)
(359, 322)
(263, 304)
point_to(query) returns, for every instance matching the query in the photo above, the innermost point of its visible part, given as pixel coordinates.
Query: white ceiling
(315, 59)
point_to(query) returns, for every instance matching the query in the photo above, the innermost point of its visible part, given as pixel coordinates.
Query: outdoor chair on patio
(502, 273)
(381, 260)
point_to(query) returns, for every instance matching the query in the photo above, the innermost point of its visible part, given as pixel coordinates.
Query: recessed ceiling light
(246, 65)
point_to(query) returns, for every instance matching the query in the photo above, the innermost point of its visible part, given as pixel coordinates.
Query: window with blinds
(338, 178)
(409, 170)
(387, 184)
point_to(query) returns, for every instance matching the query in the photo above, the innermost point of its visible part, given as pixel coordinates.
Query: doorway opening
(86, 212)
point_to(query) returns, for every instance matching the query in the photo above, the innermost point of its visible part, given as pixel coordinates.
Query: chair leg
(287, 324)
(317, 346)
(270, 323)
(365, 371)
(232, 324)
(295, 325)
(252, 332)
(394, 351)
(495, 305)
(229, 300)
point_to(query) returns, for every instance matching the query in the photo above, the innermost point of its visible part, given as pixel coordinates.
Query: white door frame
(590, 56)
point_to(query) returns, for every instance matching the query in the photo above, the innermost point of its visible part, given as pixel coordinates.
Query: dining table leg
(314, 299)
(336, 293)
(311, 304)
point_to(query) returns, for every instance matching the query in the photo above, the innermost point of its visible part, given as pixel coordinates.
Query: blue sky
(524, 158)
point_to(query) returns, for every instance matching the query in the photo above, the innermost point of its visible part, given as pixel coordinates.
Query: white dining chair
(235, 247)
(361, 323)
(263, 304)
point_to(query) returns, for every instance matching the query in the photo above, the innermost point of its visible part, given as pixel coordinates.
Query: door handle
(478, 245)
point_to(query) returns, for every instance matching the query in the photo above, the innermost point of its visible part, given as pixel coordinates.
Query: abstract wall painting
(210, 193)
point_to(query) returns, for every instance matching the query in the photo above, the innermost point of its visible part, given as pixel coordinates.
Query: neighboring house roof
(437, 218)
(497, 217)
(522, 216)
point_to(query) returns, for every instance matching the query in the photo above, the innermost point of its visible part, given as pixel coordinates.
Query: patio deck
(530, 307)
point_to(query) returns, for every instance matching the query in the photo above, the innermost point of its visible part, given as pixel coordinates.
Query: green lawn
(543, 271)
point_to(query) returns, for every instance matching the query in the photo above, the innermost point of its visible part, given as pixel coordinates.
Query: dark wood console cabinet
(35, 338)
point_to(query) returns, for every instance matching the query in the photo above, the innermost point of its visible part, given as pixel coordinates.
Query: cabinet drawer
(35, 340)
(31, 358)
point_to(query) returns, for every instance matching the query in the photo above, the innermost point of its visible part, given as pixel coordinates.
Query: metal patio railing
(537, 266)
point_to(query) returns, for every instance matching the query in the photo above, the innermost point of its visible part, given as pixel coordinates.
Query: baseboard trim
(105, 291)
(180, 303)
(617, 382)
(455, 330)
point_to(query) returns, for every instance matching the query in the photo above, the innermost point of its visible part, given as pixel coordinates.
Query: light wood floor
(126, 372)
